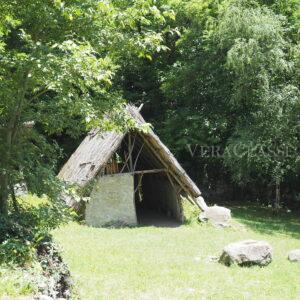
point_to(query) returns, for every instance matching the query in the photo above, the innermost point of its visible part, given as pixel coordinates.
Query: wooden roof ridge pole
(200, 202)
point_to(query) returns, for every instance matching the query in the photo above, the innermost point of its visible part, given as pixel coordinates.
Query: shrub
(16, 251)
(190, 212)
(21, 233)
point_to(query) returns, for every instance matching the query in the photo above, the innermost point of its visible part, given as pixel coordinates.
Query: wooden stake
(130, 149)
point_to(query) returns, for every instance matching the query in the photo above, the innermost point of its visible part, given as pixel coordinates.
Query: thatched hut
(135, 176)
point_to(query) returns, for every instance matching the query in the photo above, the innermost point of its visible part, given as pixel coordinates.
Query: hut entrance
(156, 201)
(156, 198)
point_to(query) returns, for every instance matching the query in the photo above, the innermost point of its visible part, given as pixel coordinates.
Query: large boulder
(247, 253)
(294, 255)
(216, 214)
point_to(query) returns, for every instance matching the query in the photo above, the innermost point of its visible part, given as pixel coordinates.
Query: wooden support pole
(143, 172)
(130, 149)
(150, 171)
(137, 157)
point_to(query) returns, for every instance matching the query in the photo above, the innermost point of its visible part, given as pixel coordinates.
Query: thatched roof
(97, 148)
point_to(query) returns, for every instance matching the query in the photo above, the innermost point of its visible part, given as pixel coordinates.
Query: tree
(235, 84)
(264, 92)
(57, 68)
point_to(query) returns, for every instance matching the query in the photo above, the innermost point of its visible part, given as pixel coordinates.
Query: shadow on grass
(263, 219)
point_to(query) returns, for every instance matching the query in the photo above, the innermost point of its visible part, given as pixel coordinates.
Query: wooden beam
(143, 172)
(150, 171)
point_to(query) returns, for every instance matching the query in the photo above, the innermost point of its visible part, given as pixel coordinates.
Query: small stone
(222, 225)
(247, 253)
(212, 258)
(294, 255)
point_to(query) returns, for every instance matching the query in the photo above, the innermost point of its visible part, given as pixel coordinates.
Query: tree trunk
(14, 198)
(277, 196)
(12, 130)
(3, 194)
(4, 177)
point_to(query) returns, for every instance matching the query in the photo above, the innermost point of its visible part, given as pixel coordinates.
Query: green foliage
(16, 251)
(233, 84)
(58, 63)
(19, 282)
(212, 73)
(21, 233)
(190, 212)
(264, 92)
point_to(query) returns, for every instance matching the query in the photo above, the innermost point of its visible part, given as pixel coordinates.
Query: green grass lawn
(16, 282)
(173, 263)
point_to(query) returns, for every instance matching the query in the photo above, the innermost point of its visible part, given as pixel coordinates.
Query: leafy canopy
(58, 61)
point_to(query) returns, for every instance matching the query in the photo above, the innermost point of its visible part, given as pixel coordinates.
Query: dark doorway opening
(156, 201)
(156, 196)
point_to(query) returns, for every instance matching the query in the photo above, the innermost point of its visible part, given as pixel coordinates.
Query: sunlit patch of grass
(18, 281)
(175, 263)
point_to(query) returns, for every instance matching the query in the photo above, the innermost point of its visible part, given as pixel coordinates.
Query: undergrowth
(29, 260)
(190, 212)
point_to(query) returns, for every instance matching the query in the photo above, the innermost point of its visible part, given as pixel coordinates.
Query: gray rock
(216, 214)
(294, 255)
(247, 253)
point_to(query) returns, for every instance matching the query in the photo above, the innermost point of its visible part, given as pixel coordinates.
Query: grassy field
(174, 263)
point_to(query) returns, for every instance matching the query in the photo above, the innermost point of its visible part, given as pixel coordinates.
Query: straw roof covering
(97, 148)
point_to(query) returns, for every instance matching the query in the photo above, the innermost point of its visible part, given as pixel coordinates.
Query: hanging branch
(139, 187)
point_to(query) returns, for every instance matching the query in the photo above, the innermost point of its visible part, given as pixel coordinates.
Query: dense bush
(22, 232)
